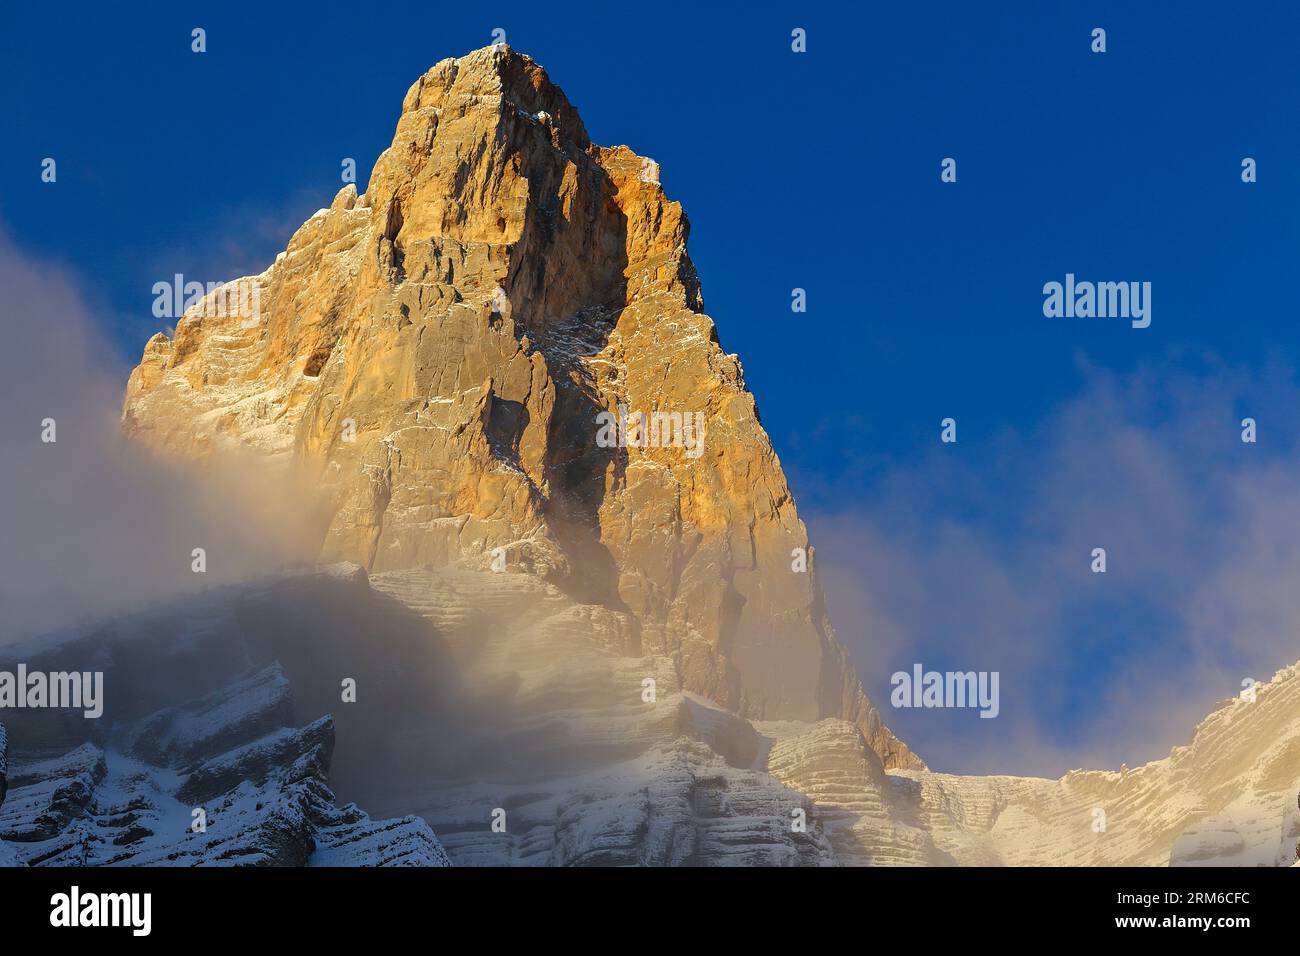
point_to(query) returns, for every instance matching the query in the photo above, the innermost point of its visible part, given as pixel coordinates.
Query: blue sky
(821, 171)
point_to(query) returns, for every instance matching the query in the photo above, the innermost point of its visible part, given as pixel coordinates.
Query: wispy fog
(91, 524)
(979, 558)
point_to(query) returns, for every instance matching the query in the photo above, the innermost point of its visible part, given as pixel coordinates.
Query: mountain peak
(497, 71)
(497, 358)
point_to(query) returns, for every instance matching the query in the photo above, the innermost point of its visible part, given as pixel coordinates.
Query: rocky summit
(437, 355)
(556, 571)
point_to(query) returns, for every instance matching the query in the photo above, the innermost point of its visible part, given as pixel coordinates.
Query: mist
(93, 524)
(978, 557)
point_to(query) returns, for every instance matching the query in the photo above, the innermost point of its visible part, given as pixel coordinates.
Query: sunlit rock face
(434, 357)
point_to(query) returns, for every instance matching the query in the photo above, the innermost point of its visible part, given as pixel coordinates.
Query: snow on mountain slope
(485, 697)
(1227, 798)
(590, 764)
(575, 695)
(221, 780)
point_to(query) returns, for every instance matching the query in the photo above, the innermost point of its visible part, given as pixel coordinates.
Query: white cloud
(978, 561)
(90, 523)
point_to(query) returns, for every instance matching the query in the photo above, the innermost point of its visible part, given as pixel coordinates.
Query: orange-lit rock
(434, 355)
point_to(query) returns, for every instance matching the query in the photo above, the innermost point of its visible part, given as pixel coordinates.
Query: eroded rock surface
(432, 355)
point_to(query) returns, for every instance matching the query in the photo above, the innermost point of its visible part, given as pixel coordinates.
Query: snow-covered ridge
(1228, 798)
(193, 802)
(225, 778)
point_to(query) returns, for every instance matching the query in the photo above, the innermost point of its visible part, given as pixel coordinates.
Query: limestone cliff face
(434, 356)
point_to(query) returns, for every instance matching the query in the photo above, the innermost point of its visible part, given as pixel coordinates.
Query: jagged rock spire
(436, 356)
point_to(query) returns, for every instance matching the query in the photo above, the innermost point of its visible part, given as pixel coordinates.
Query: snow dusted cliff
(487, 697)
(215, 782)
(1227, 798)
(616, 779)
